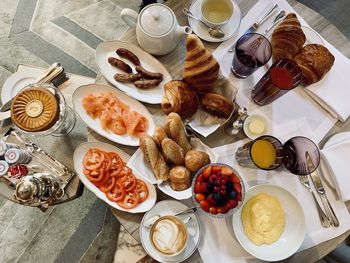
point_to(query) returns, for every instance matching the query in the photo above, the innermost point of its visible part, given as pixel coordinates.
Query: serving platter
(294, 231)
(108, 49)
(138, 164)
(95, 124)
(78, 157)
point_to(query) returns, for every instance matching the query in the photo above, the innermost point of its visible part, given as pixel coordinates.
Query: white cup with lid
(157, 29)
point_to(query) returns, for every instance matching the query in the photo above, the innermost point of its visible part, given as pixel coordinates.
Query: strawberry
(237, 187)
(207, 172)
(202, 188)
(204, 205)
(200, 178)
(239, 196)
(235, 179)
(222, 210)
(210, 199)
(199, 197)
(197, 188)
(216, 169)
(226, 171)
(231, 203)
(213, 210)
(213, 178)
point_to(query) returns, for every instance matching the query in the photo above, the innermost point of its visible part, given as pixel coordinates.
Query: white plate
(170, 207)
(78, 157)
(202, 31)
(16, 82)
(108, 49)
(294, 231)
(138, 164)
(95, 124)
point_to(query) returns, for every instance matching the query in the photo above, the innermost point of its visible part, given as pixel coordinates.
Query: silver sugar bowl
(39, 188)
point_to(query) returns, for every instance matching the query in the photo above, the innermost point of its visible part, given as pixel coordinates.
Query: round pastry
(34, 109)
(194, 160)
(216, 104)
(263, 219)
(179, 97)
(180, 178)
(173, 152)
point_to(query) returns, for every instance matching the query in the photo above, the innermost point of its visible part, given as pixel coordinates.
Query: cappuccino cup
(169, 236)
(216, 13)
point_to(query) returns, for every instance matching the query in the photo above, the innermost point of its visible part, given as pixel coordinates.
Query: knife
(256, 25)
(316, 180)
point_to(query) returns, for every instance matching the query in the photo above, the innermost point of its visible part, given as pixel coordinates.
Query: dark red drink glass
(283, 76)
(252, 51)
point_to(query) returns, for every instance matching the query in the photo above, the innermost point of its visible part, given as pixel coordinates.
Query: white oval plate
(78, 157)
(294, 231)
(16, 82)
(108, 49)
(95, 124)
(170, 207)
(138, 164)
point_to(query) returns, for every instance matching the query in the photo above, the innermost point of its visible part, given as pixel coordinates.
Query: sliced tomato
(93, 159)
(128, 181)
(108, 161)
(142, 189)
(108, 183)
(117, 193)
(96, 175)
(117, 163)
(130, 200)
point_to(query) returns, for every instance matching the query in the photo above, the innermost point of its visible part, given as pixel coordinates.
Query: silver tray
(44, 161)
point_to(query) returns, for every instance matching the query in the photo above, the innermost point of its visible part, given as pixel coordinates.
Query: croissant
(314, 61)
(201, 68)
(179, 97)
(288, 38)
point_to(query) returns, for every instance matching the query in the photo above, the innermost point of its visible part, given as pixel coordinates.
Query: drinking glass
(283, 76)
(246, 158)
(295, 150)
(252, 51)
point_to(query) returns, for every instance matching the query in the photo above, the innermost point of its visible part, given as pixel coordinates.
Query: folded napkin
(335, 156)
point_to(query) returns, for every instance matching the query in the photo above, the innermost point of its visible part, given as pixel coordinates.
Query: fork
(304, 180)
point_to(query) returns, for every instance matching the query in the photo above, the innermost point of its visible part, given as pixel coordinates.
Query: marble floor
(40, 32)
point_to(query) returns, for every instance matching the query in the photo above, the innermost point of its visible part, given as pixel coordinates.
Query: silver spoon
(214, 32)
(277, 19)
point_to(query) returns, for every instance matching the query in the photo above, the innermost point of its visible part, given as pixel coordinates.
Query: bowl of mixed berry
(218, 190)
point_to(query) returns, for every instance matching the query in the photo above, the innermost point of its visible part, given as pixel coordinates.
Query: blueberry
(232, 195)
(217, 197)
(211, 187)
(229, 186)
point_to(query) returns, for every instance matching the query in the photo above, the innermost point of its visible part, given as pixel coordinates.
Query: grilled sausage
(119, 64)
(149, 83)
(127, 77)
(123, 52)
(147, 74)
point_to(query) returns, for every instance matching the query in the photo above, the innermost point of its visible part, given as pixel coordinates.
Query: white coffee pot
(157, 29)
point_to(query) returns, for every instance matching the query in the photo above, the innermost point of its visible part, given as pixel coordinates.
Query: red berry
(213, 178)
(223, 192)
(239, 196)
(216, 169)
(222, 210)
(223, 187)
(237, 187)
(216, 189)
(204, 205)
(210, 199)
(200, 178)
(213, 210)
(226, 171)
(235, 179)
(197, 187)
(199, 197)
(203, 188)
(206, 172)
(231, 203)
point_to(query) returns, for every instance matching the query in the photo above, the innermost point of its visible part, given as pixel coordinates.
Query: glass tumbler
(295, 152)
(252, 51)
(283, 76)
(265, 152)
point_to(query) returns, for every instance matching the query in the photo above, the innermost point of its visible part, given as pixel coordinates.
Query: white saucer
(251, 118)
(170, 207)
(201, 31)
(18, 81)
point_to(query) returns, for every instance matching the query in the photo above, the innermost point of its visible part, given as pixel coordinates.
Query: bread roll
(288, 38)
(154, 158)
(159, 135)
(175, 130)
(180, 178)
(179, 97)
(194, 160)
(173, 153)
(201, 68)
(314, 61)
(217, 105)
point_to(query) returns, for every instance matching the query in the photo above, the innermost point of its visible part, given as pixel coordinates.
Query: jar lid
(156, 19)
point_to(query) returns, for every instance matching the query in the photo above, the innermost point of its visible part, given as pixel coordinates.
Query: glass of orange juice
(265, 152)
